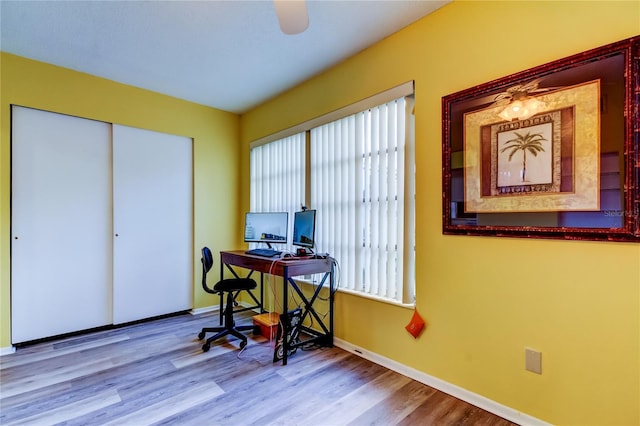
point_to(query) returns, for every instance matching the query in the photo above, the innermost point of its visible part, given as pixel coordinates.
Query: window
(360, 174)
(278, 177)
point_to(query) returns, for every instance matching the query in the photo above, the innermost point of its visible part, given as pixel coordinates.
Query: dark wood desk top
(284, 267)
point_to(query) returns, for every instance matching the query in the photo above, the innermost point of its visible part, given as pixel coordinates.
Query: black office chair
(228, 286)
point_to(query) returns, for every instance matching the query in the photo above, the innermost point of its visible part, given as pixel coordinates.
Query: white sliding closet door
(152, 223)
(61, 243)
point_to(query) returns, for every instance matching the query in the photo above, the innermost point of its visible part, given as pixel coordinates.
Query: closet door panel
(152, 223)
(61, 215)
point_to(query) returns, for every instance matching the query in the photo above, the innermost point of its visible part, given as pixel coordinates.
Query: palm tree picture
(527, 143)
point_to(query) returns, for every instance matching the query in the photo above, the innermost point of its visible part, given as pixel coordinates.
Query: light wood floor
(156, 373)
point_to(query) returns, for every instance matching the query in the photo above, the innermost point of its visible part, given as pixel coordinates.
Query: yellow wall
(577, 302)
(215, 150)
(486, 299)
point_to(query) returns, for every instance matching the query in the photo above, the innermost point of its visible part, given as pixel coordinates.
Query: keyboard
(264, 252)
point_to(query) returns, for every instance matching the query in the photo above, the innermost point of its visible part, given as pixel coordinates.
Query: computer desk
(288, 268)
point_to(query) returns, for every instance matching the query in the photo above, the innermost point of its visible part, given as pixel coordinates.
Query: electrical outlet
(533, 360)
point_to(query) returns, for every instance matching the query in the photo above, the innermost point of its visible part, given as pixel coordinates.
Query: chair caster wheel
(205, 347)
(243, 344)
(201, 335)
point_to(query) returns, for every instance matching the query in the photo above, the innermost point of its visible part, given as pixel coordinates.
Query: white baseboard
(479, 401)
(7, 351)
(215, 308)
(205, 310)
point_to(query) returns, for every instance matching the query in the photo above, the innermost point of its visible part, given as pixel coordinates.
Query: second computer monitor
(304, 228)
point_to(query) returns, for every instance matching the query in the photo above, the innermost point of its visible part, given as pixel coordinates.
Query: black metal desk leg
(221, 308)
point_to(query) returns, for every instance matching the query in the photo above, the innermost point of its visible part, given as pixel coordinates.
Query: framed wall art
(551, 152)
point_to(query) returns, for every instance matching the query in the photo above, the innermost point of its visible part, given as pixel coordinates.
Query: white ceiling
(229, 55)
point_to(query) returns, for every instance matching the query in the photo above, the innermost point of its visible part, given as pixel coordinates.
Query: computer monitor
(269, 228)
(304, 228)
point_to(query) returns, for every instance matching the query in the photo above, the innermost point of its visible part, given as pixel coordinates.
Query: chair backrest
(207, 263)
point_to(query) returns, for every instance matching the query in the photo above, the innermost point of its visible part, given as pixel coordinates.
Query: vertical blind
(278, 176)
(358, 175)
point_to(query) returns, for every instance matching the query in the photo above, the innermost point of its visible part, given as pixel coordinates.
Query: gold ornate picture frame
(550, 152)
(517, 185)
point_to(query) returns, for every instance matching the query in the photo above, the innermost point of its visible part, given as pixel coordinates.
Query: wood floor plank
(156, 373)
(293, 403)
(149, 414)
(310, 365)
(70, 411)
(14, 403)
(435, 411)
(243, 385)
(397, 406)
(39, 356)
(352, 405)
(37, 375)
(44, 379)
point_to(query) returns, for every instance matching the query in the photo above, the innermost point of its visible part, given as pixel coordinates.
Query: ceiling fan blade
(292, 15)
